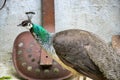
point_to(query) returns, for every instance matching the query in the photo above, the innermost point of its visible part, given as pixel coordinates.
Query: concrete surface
(101, 17)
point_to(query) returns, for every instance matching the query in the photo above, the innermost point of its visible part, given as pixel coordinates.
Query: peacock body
(80, 50)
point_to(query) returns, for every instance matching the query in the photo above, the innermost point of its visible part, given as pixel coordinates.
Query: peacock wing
(71, 46)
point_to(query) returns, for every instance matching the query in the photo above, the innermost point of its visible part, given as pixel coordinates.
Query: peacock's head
(27, 24)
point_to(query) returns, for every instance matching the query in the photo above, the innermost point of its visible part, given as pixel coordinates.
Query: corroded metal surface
(26, 58)
(48, 18)
(48, 22)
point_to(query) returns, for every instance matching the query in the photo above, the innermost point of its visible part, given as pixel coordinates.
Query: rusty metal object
(26, 59)
(48, 19)
(48, 23)
(45, 60)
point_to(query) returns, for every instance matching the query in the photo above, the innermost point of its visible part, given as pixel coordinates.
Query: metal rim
(25, 76)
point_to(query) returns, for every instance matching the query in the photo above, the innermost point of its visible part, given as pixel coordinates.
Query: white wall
(12, 15)
(98, 16)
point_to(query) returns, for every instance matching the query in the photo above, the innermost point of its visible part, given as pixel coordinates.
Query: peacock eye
(29, 24)
(24, 23)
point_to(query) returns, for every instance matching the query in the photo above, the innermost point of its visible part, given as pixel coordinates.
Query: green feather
(41, 33)
(44, 38)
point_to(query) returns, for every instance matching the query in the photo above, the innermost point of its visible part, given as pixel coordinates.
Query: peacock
(78, 50)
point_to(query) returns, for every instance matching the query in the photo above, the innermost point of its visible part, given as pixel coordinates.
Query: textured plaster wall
(10, 16)
(101, 17)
